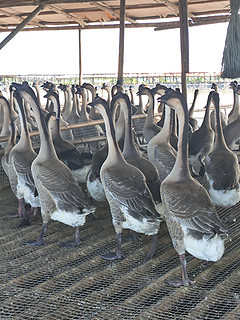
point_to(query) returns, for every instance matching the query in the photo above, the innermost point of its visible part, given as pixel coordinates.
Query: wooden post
(183, 14)
(80, 54)
(121, 41)
(22, 25)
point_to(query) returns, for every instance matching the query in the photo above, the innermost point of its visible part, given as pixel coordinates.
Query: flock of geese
(143, 185)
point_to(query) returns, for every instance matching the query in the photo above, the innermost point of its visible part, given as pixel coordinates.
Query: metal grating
(51, 282)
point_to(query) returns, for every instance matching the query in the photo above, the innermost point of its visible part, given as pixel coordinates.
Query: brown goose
(224, 118)
(201, 140)
(12, 175)
(160, 151)
(191, 218)
(60, 196)
(235, 112)
(131, 202)
(6, 120)
(21, 157)
(94, 184)
(93, 114)
(221, 168)
(192, 121)
(132, 154)
(150, 128)
(66, 151)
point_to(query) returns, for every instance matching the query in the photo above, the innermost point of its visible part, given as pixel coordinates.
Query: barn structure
(51, 282)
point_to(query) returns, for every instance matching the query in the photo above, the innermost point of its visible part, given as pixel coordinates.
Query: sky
(146, 50)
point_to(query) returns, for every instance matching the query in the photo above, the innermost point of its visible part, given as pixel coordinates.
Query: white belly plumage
(72, 219)
(205, 249)
(224, 198)
(29, 197)
(142, 226)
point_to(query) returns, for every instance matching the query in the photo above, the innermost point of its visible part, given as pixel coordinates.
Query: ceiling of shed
(69, 14)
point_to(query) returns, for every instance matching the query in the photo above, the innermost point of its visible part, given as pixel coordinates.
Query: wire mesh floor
(51, 282)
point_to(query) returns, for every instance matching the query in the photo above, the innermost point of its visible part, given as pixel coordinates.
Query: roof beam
(22, 25)
(172, 7)
(114, 13)
(18, 17)
(69, 16)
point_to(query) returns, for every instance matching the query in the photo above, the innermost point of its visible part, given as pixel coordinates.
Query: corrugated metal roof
(65, 14)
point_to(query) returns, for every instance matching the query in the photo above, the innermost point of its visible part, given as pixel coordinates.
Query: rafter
(173, 7)
(69, 16)
(114, 13)
(35, 21)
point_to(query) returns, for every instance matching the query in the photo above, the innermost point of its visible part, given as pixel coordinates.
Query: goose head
(100, 105)
(26, 92)
(214, 87)
(174, 100)
(233, 85)
(54, 98)
(159, 89)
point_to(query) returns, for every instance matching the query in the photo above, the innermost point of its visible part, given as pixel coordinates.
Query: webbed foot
(38, 242)
(178, 282)
(112, 256)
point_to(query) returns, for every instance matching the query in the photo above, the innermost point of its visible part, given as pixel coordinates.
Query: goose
(192, 121)
(160, 152)
(21, 157)
(231, 133)
(201, 140)
(191, 218)
(235, 112)
(131, 152)
(130, 200)
(150, 129)
(74, 115)
(6, 120)
(60, 196)
(12, 175)
(14, 114)
(68, 105)
(221, 168)
(93, 114)
(224, 118)
(108, 90)
(160, 90)
(92, 131)
(94, 184)
(66, 151)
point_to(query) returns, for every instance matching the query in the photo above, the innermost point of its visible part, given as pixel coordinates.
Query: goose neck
(114, 153)
(181, 169)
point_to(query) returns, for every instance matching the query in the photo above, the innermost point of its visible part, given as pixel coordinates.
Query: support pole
(22, 25)
(121, 42)
(183, 14)
(80, 54)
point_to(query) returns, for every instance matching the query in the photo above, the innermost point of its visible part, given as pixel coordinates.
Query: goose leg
(22, 214)
(185, 280)
(74, 243)
(153, 247)
(21, 209)
(39, 241)
(118, 254)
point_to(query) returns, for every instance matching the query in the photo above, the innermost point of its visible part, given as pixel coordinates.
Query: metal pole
(121, 41)
(80, 54)
(22, 25)
(183, 14)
